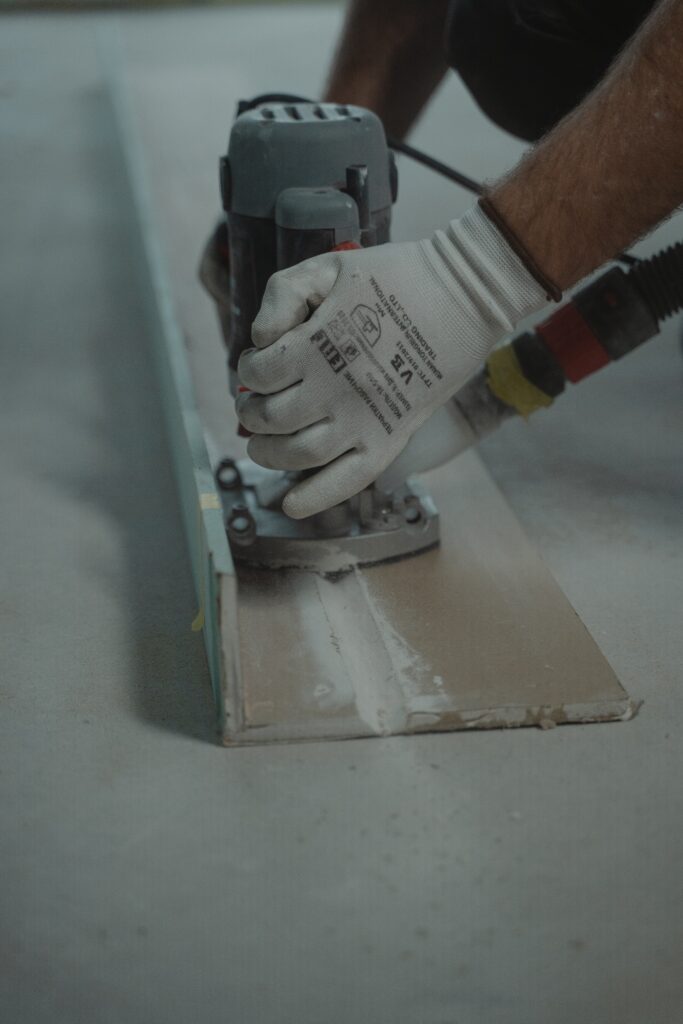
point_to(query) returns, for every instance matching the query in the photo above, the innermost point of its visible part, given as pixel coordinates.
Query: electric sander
(299, 180)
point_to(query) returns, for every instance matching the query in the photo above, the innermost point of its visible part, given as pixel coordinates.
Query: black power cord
(436, 165)
(410, 151)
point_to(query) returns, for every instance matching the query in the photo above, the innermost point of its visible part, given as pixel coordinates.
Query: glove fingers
(314, 446)
(271, 369)
(281, 413)
(336, 482)
(291, 295)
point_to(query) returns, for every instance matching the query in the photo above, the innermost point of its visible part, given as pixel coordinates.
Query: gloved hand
(395, 331)
(444, 436)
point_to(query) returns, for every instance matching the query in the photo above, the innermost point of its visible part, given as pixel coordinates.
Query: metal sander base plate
(371, 527)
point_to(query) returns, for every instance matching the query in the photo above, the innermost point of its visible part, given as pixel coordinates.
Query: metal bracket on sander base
(369, 528)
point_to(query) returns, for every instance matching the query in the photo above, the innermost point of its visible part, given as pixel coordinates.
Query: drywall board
(475, 634)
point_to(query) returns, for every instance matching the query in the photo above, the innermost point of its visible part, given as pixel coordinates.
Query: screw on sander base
(241, 525)
(228, 475)
(413, 512)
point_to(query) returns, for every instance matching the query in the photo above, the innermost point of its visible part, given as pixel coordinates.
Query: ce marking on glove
(367, 322)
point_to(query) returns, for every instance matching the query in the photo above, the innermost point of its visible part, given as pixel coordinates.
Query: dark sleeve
(527, 63)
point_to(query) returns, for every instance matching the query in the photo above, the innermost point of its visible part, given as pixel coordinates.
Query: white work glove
(444, 436)
(396, 330)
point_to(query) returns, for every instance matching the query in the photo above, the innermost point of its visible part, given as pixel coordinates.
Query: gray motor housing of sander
(301, 179)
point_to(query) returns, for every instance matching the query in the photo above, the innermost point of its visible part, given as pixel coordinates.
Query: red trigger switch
(344, 246)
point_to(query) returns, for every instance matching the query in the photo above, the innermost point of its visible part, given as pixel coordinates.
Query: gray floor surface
(150, 876)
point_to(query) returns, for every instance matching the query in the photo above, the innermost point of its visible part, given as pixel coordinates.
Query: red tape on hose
(573, 343)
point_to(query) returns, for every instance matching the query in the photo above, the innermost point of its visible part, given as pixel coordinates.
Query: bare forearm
(613, 169)
(390, 58)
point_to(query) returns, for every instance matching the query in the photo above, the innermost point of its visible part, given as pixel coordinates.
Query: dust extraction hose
(660, 281)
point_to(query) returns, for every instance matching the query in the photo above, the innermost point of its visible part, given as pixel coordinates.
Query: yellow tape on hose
(507, 382)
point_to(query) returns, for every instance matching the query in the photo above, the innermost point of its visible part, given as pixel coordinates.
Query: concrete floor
(150, 876)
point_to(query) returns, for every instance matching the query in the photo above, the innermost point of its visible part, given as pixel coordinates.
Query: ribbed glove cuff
(482, 265)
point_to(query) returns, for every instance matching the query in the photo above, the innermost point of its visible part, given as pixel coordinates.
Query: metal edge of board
(213, 569)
